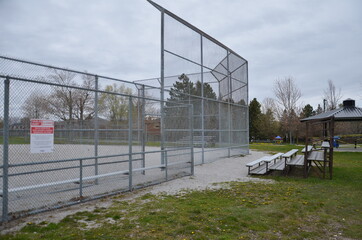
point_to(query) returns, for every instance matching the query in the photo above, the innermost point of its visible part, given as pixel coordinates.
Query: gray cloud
(313, 41)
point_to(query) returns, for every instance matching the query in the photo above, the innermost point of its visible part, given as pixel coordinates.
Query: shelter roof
(349, 112)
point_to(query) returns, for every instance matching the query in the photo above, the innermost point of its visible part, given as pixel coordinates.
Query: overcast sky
(310, 40)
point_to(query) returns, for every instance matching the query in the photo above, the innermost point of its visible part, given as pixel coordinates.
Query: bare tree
(67, 102)
(84, 99)
(332, 95)
(288, 94)
(61, 102)
(269, 104)
(35, 106)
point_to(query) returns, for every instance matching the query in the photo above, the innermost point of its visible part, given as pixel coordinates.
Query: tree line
(73, 100)
(281, 116)
(70, 100)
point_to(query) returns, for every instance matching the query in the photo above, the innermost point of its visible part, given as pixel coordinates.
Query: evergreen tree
(186, 92)
(208, 91)
(254, 119)
(307, 111)
(269, 126)
(182, 90)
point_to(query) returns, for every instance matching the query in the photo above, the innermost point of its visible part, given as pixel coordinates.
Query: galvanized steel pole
(202, 103)
(130, 126)
(6, 150)
(166, 166)
(96, 128)
(162, 123)
(143, 125)
(80, 179)
(247, 104)
(229, 99)
(191, 110)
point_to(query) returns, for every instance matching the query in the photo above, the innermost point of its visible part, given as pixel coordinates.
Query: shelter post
(331, 130)
(306, 152)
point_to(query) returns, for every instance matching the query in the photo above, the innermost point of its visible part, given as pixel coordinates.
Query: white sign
(41, 136)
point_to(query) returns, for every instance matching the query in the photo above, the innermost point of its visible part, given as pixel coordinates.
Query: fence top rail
(162, 9)
(87, 89)
(72, 70)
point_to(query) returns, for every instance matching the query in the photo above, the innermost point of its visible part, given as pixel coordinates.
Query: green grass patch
(78, 141)
(16, 140)
(290, 208)
(273, 148)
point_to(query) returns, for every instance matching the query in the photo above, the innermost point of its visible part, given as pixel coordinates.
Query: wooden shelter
(323, 158)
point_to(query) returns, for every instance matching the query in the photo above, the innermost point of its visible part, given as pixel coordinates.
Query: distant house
(153, 126)
(81, 124)
(17, 126)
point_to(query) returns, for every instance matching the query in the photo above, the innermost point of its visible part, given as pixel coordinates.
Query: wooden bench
(274, 158)
(260, 168)
(325, 144)
(320, 159)
(262, 163)
(280, 166)
(290, 154)
(316, 156)
(296, 161)
(309, 149)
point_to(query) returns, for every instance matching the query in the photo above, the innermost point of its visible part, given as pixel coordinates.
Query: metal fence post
(247, 109)
(162, 123)
(166, 166)
(191, 111)
(229, 102)
(6, 150)
(96, 128)
(80, 179)
(202, 104)
(143, 128)
(130, 126)
(219, 117)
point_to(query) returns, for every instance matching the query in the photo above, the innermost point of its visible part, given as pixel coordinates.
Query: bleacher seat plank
(250, 164)
(280, 166)
(290, 153)
(297, 161)
(309, 148)
(316, 156)
(274, 157)
(260, 170)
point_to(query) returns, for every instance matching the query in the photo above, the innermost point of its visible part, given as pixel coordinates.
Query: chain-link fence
(110, 135)
(198, 70)
(106, 137)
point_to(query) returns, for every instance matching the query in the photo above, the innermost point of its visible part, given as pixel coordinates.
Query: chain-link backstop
(112, 135)
(198, 70)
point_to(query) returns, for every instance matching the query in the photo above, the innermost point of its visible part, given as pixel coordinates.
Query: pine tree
(254, 119)
(307, 111)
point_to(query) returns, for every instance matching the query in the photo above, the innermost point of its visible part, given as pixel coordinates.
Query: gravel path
(223, 170)
(206, 175)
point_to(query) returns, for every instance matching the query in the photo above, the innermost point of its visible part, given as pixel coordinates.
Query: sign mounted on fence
(41, 136)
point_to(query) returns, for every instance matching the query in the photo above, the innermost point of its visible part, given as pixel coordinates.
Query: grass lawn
(273, 148)
(290, 208)
(26, 140)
